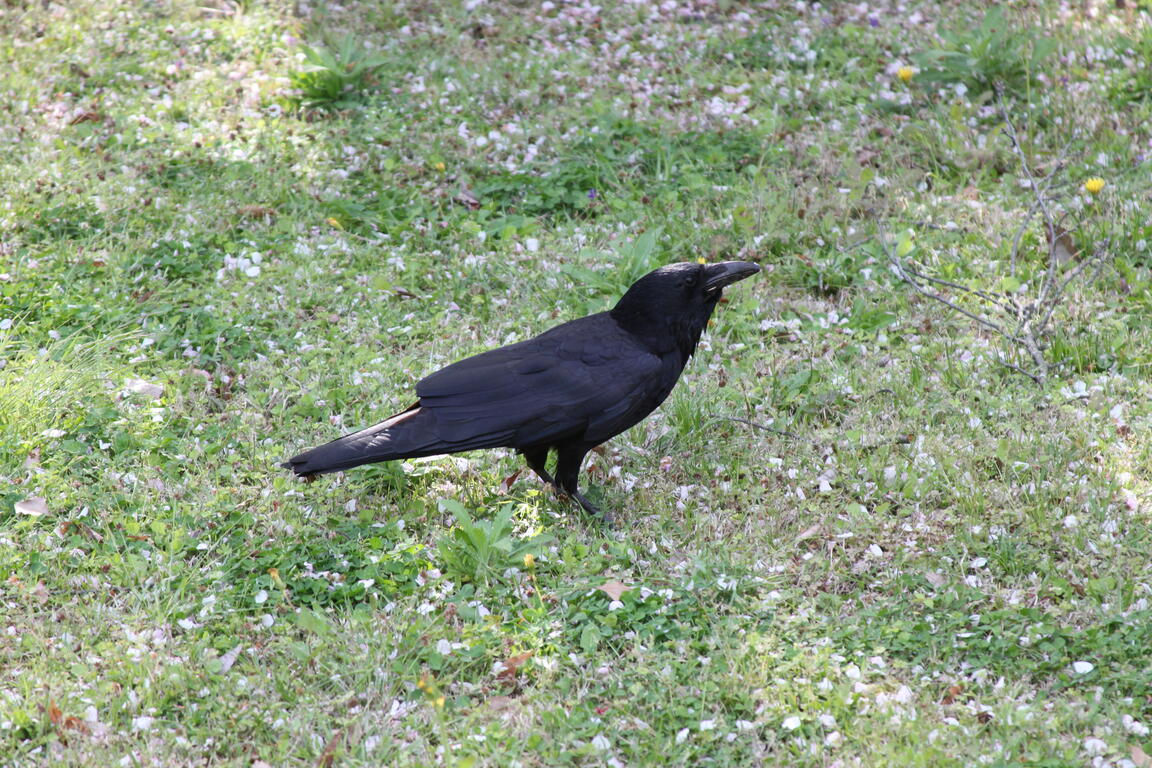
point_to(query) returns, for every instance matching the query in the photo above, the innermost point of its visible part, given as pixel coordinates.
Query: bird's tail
(396, 438)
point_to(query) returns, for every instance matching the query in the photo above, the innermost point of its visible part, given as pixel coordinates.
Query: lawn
(866, 528)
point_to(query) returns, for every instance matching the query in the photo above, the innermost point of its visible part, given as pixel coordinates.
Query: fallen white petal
(34, 506)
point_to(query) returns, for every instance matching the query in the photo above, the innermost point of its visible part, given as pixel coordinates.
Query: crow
(569, 389)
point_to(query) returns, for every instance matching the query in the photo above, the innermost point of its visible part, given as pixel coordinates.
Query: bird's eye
(690, 281)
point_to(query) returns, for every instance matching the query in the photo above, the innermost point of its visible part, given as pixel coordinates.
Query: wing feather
(574, 381)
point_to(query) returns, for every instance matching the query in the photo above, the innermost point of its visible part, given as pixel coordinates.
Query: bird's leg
(568, 475)
(537, 459)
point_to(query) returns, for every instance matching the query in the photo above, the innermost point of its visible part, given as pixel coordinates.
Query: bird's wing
(571, 382)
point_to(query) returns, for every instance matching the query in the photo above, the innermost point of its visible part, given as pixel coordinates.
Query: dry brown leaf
(951, 694)
(614, 589)
(88, 116)
(467, 199)
(328, 756)
(935, 579)
(54, 713)
(512, 666)
(67, 526)
(73, 723)
(33, 507)
(1060, 241)
(256, 211)
(809, 532)
(506, 483)
(498, 703)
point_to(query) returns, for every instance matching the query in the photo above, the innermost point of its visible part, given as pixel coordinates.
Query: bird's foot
(608, 518)
(605, 515)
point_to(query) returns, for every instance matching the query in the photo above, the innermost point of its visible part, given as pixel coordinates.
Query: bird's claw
(608, 518)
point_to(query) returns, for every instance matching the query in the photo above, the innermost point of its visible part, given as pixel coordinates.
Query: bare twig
(1018, 369)
(956, 286)
(909, 278)
(763, 428)
(1096, 258)
(1021, 319)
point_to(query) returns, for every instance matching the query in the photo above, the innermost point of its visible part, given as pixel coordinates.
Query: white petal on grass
(261, 597)
(707, 725)
(228, 659)
(1082, 667)
(1095, 746)
(142, 723)
(1134, 726)
(146, 388)
(791, 723)
(34, 506)
(682, 736)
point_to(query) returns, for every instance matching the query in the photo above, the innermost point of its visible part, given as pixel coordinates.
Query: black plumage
(568, 389)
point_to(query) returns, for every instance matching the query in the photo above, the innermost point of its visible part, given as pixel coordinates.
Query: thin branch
(1035, 377)
(1096, 258)
(764, 428)
(1018, 148)
(939, 281)
(923, 291)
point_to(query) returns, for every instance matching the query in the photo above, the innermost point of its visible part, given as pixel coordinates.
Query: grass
(850, 537)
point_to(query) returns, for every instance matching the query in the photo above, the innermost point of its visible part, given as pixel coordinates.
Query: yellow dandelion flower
(439, 166)
(529, 560)
(1094, 185)
(440, 702)
(905, 73)
(701, 260)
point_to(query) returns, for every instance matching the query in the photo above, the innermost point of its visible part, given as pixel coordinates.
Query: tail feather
(409, 434)
(381, 442)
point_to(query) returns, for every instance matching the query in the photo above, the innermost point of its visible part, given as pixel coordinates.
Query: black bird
(568, 389)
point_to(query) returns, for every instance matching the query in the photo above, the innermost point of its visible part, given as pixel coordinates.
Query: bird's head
(676, 301)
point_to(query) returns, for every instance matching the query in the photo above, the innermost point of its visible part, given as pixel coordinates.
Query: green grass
(850, 537)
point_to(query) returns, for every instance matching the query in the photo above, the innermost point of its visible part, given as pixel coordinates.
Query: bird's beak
(717, 276)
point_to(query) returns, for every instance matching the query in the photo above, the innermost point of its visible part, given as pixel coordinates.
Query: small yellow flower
(439, 166)
(332, 222)
(1094, 185)
(701, 260)
(905, 73)
(440, 701)
(529, 560)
